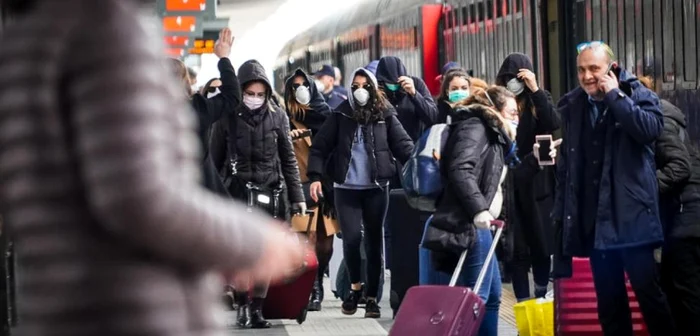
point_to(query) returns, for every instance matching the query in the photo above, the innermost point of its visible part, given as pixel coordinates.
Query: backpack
(420, 177)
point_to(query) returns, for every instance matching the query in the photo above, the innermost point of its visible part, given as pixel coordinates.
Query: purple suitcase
(445, 310)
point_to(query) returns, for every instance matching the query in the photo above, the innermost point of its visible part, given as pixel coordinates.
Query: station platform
(330, 321)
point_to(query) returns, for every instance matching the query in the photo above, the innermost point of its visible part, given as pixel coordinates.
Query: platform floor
(330, 321)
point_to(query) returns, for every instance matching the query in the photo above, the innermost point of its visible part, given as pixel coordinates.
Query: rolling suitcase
(576, 304)
(445, 310)
(406, 230)
(289, 299)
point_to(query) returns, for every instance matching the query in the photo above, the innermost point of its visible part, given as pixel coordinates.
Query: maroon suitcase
(445, 310)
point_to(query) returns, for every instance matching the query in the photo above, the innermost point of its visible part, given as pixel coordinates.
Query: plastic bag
(535, 317)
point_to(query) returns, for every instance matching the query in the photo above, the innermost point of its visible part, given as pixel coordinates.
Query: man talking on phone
(606, 205)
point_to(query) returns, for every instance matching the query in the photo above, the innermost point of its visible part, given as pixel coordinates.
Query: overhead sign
(205, 8)
(202, 46)
(175, 52)
(182, 25)
(178, 41)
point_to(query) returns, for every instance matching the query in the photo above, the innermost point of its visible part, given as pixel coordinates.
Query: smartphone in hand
(545, 143)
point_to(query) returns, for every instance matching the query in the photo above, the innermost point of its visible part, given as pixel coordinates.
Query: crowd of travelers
(134, 191)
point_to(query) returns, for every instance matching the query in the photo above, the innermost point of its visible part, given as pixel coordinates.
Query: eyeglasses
(297, 85)
(595, 44)
(212, 89)
(366, 86)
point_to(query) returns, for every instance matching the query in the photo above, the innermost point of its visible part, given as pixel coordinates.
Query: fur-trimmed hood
(492, 118)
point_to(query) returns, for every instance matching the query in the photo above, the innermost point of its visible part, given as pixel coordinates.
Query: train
(658, 38)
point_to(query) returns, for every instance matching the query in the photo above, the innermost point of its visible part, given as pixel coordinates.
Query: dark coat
(416, 113)
(331, 148)
(264, 152)
(318, 110)
(533, 194)
(627, 214)
(471, 166)
(210, 111)
(678, 173)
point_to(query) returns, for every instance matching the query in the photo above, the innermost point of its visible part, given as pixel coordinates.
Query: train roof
(364, 13)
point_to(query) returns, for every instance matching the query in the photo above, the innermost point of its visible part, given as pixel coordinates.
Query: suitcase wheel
(302, 316)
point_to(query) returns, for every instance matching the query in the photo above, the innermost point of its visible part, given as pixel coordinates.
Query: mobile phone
(545, 142)
(303, 134)
(610, 68)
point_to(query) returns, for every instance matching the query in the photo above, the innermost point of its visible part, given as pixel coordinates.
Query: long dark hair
(447, 78)
(374, 110)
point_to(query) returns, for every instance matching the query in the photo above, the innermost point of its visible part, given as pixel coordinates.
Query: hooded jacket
(261, 147)
(387, 140)
(318, 110)
(416, 113)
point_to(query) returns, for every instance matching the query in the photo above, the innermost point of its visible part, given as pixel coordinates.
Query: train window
(596, 21)
(612, 27)
(667, 40)
(629, 35)
(637, 15)
(689, 41)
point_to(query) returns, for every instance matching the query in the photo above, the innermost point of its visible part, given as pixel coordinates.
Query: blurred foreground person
(100, 183)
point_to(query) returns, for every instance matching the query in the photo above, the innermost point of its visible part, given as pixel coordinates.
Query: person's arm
(288, 159)
(400, 142)
(425, 107)
(672, 159)
(230, 97)
(469, 142)
(322, 144)
(218, 145)
(641, 119)
(136, 160)
(547, 117)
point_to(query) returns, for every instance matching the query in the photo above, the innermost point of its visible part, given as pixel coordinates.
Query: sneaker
(350, 303)
(540, 291)
(372, 309)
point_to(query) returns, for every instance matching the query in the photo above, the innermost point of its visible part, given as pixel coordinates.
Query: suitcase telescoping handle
(499, 224)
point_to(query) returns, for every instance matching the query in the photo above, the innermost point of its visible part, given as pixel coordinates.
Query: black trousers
(355, 208)
(613, 304)
(680, 276)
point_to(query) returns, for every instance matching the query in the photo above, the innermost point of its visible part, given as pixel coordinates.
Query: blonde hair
(180, 71)
(493, 99)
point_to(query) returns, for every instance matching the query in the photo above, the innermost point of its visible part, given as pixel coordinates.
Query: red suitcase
(444, 310)
(289, 299)
(576, 305)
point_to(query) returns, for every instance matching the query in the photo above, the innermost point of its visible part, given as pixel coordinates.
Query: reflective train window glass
(667, 40)
(690, 61)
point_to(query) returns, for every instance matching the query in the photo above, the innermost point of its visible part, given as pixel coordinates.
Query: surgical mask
(515, 86)
(253, 102)
(302, 95)
(213, 94)
(458, 95)
(392, 87)
(361, 96)
(320, 86)
(513, 126)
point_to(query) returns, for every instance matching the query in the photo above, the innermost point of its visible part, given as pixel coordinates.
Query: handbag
(302, 148)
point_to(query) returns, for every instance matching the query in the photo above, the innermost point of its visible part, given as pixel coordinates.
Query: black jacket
(318, 110)
(678, 173)
(333, 144)
(416, 113)
(534, 194)
(471, 168)
(263, 148)
(210, 111)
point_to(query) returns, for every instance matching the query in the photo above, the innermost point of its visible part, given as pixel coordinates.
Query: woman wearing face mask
(453, 89)
(211, 88)
(210, 110)
(251, 148)
(477, 156)
(364, 136)
(533, 196)
(307, 109)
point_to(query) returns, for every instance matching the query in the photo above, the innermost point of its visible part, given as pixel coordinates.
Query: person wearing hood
(408, 95)
(477, 156)
(531, 225)
(325, 82)
(308, 110)
(364, 136)
(253, 150)
(372, 67)
(678, 173)
(607, 196)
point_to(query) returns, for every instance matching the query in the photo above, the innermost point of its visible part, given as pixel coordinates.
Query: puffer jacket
(471, 168)
(264, 153)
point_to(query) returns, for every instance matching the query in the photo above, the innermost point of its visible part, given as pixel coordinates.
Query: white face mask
(212, 94)
(302, 95)
(513, 126)
(361, 96)
(252, 102)
(516, 86)
(320, 86)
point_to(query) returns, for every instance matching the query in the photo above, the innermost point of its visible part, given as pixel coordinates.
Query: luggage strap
(499, 224)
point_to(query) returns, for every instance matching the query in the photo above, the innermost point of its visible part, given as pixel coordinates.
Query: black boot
(316, 294)
(257, 321)
(242, 316)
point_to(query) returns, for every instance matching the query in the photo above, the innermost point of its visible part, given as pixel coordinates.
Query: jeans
(356, 208)
(490, 290)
